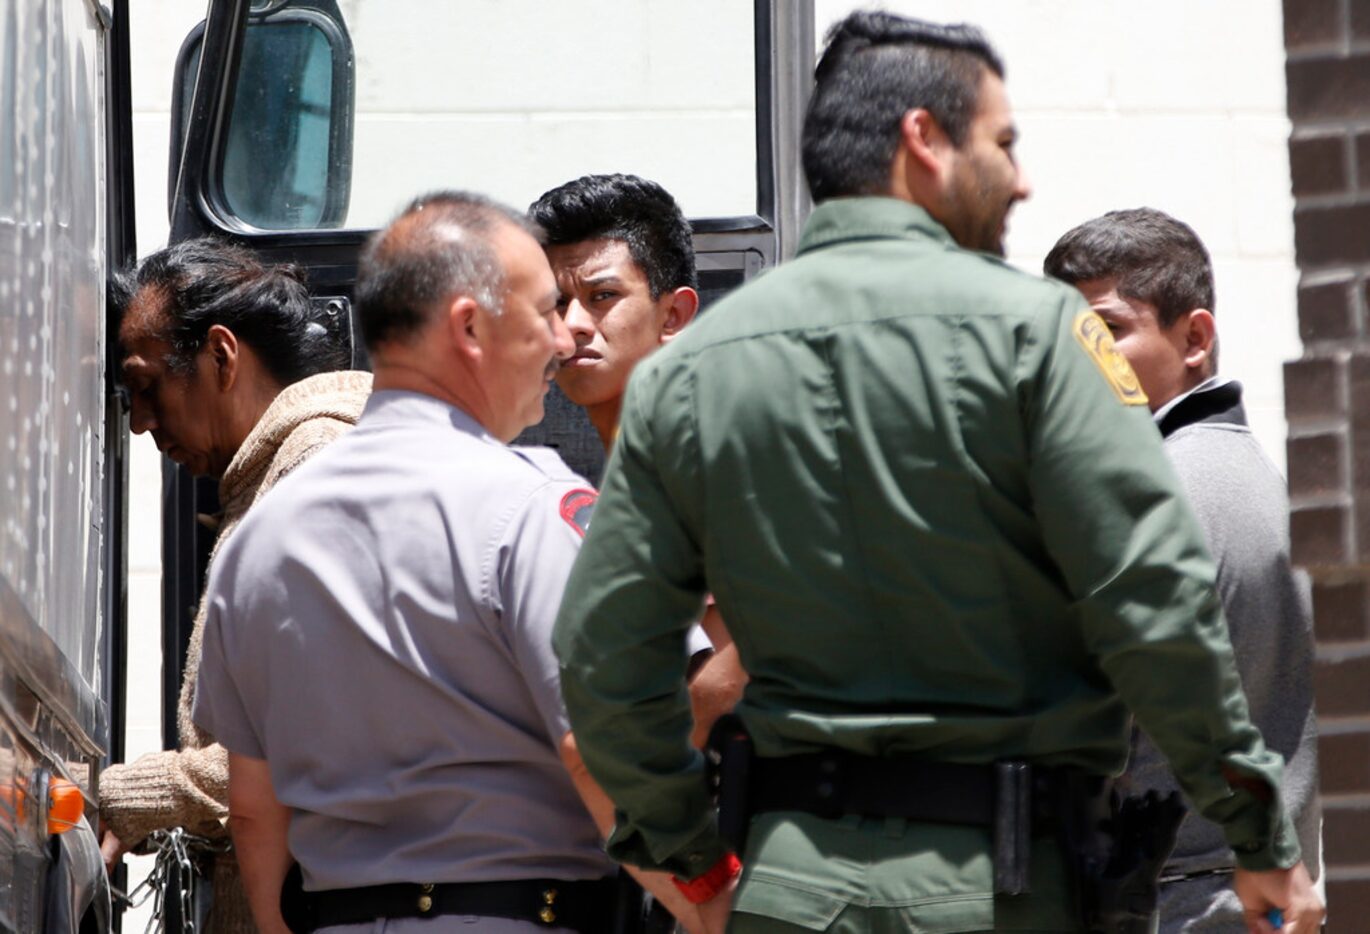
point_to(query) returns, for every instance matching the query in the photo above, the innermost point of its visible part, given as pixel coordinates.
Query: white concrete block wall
(156, 31)
(144, 600)
(482, 55)
(1209, 56)
(1261, 174)
(156, 28)
(1175, 104)
(505, 156)
(143, 695)
(472, 98)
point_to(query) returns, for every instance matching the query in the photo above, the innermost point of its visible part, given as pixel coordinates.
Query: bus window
(286, 158)
(506, 98)
(290, 129)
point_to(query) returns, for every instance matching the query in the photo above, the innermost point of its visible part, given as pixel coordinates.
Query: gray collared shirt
(379, 631)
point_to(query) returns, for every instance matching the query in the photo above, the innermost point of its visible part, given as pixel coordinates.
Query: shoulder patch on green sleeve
(1094, 336)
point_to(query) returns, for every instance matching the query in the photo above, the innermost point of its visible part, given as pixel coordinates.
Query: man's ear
(222, 346)
(923, 140)
(923, 159)
(682, 305)
(465, 327)
(1201, 331)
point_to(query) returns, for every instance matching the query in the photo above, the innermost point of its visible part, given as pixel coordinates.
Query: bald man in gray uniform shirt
(377, 653)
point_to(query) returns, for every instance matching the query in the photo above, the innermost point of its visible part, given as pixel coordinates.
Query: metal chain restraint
(180, 856)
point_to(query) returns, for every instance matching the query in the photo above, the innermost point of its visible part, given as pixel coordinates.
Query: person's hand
(1289, 890)
(714, 913)
(715, 690)
(112, 849)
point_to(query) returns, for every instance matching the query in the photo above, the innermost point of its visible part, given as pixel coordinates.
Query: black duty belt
(1114, 846)
(835, 783)
(587, 907)
(1014, 801)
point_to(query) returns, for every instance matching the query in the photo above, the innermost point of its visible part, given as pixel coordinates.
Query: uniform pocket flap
(783, 900)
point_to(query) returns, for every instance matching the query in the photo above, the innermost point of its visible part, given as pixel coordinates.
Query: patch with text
(1097, 340)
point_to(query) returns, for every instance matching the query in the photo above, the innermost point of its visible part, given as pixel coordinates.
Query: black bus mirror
(283, 156)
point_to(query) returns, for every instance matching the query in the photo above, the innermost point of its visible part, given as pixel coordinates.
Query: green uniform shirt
(930, 501)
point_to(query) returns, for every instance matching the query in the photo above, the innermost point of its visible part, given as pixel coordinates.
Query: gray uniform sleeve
(220, 709)
(535, 557)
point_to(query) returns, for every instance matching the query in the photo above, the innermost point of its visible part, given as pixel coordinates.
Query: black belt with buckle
(585, 906)
(1015, 801)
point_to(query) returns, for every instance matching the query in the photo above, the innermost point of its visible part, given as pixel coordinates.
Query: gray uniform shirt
(379, 631)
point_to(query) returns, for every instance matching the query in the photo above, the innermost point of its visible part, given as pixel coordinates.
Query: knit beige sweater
(188, 787)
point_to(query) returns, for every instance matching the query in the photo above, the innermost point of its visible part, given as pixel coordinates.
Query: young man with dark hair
(926, 493)
(1150, 279)
(621, 251)
(620, 248)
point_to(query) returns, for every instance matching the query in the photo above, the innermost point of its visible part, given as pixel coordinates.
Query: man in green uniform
(926, 493)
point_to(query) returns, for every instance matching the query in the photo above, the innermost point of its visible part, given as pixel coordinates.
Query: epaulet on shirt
(577, 505)
(549, 463)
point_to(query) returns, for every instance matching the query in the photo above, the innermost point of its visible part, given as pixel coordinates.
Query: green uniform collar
(865, 218)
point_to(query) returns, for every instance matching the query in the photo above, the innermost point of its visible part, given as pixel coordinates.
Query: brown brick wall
(1327, 403)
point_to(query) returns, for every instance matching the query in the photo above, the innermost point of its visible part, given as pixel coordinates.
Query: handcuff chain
(174, 848)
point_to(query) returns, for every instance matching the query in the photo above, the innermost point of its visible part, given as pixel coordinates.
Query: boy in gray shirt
(1150, 279)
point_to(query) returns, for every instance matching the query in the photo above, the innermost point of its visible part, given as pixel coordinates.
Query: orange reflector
(65, 805)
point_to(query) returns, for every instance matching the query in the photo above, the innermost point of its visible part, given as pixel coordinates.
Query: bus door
(301, 126)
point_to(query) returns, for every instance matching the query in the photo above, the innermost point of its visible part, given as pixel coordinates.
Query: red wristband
(702, 888)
